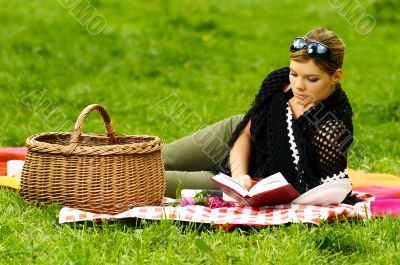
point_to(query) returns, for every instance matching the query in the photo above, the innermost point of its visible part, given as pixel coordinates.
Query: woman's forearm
(239, 156)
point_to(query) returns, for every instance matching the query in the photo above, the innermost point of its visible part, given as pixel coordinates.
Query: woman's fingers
(245, 181)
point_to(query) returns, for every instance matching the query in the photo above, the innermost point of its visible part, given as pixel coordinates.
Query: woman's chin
(303, 100)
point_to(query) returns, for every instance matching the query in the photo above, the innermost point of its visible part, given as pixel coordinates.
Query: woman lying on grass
(300, 124)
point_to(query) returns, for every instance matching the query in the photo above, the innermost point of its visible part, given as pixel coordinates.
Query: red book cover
(280, 195)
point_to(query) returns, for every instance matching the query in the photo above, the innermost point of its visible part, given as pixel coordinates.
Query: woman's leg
(189, 179)
(202, 150)
(192, 158)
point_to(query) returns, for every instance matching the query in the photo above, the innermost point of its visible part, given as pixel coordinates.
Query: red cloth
(10, 153)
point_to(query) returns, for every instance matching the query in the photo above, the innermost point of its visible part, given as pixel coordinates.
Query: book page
(231, 183)
(332, 192)
(272, 182)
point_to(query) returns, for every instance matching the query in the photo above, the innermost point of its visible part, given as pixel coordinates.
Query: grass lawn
(211, 56)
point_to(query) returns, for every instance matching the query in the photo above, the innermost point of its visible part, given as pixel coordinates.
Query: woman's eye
(293, 74)
(313, 79)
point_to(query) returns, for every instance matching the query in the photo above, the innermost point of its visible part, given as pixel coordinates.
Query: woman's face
(310, 84)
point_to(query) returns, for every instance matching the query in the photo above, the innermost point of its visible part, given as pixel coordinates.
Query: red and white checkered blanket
(239, 215)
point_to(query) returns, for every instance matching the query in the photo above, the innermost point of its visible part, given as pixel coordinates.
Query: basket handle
(74, 142)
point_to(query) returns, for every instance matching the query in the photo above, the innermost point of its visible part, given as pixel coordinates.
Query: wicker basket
(96, 173)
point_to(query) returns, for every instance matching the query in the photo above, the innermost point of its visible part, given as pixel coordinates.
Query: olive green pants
(191, 158)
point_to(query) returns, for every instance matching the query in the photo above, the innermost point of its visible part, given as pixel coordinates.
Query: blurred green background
(167, 68)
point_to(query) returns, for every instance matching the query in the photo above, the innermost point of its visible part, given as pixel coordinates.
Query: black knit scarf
(271, 151)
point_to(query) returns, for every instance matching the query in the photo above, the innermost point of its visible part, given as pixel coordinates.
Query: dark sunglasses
(314, 49)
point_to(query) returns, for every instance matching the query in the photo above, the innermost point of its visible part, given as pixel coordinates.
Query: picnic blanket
(380, 194)
(386, 200)
(16, 153)
(385, 189)
(239, 215)
(12, 153)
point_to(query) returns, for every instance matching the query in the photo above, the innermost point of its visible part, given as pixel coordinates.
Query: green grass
(212, 55)
(32, 235)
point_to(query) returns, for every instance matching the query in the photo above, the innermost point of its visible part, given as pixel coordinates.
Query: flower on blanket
(201, 198)
(187, 201)
(216, 202)
(206, 200)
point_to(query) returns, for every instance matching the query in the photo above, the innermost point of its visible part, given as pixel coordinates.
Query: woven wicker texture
(96, 173)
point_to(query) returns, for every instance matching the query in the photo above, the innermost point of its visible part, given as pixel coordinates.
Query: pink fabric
(14, 150)
(387, 200)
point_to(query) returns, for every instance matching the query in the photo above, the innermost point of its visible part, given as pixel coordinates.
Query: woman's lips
(300, 96)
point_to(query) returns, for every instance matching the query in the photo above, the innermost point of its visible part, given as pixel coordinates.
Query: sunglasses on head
(314, 49)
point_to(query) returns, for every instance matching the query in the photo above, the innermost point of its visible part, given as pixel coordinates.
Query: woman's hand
(244, 180)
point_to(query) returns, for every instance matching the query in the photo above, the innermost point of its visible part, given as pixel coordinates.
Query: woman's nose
(299, 85)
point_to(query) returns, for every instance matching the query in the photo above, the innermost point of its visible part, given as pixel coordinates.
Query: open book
(275, 189)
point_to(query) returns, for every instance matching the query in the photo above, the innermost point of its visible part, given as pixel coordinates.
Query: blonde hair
(329, 39)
